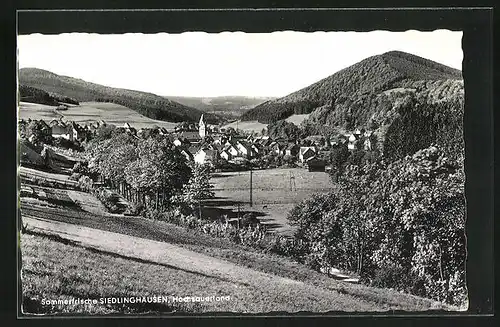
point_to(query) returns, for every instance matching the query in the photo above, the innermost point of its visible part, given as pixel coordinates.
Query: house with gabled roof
(186, 153)
(78, 132)
(355, 141)
(292, 149)
(244, 148)
(306, 152)
(192, 137)
(277, 148)
(232, 148)
(60, 130)
(226, 155)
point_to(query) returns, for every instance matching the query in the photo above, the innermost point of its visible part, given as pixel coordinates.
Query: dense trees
(283, 130)
(355, 85)
(145, 170)
(399, 225)
(37, 132)
(270, 111)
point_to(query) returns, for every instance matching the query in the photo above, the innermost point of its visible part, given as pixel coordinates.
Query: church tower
(202, 128)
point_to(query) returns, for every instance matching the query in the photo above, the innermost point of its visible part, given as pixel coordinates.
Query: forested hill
(367, 78)
(34, 95)
(147, 104)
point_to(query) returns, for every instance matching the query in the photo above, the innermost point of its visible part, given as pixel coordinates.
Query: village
(224, 149)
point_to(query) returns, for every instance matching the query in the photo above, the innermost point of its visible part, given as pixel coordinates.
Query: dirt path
(174, 256)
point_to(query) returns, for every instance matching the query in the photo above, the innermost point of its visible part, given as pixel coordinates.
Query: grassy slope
(372, 75)
(247, 126)
(240, 255)
(147, 104)
(88, 273)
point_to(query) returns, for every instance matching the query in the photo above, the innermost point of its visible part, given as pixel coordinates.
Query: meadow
(297, 119)
(274, 193)
(247, 126)
(88, 112)
(82, 271)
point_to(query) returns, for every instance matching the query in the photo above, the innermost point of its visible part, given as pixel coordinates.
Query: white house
(244, 148)
(225, 154)
(61, 130)
(204, 156)
(306, 152)
(232, 149)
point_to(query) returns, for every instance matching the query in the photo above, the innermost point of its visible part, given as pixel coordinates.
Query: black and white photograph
(246, 173)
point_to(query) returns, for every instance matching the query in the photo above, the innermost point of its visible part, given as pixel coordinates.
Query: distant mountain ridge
(235, 104)
(147, 104)
(372, 75)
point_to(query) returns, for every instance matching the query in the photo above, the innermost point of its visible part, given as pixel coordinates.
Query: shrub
(85, 183)
(134, 209)
(75, 176)
(109, 199)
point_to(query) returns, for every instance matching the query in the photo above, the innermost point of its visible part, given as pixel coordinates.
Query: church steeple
(202, 127)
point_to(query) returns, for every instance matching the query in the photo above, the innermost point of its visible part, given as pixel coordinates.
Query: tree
(289, 160)
(38, 132)
(283, 129)
(338, 157)
(104, 132)
(160, 167)
(198, 188)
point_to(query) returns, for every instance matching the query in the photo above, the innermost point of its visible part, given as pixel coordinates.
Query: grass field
(275, 192)
(75, 271)
(297, 119)
(247, 126)
(89, 112)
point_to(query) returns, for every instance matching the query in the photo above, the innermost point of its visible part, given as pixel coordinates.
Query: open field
(247, 126)
(255, 126)
(275, 192)
(89, 112)
(297, 119)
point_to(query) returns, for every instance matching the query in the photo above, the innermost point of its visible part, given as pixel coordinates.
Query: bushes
(109, 200)
(61, 142)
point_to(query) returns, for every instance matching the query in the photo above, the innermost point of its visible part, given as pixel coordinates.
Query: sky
(229, 63)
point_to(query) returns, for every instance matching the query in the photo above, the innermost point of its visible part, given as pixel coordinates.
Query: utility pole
(238, 216)
(251, 174)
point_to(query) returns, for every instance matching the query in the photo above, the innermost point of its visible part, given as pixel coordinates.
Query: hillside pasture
(88, 112)
(297, 119)
(274, 193)
(247, 126)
